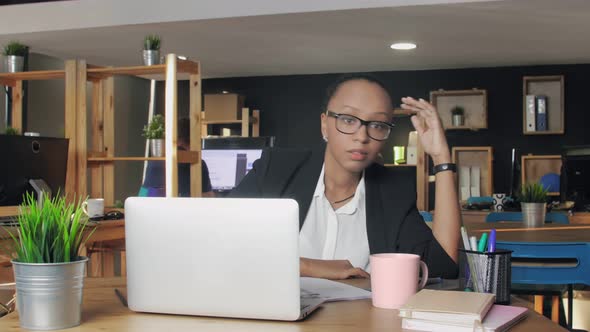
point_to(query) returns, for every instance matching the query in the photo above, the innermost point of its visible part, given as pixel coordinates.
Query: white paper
(331, 291)
(412, 155)
(475, 181)
(464, 182)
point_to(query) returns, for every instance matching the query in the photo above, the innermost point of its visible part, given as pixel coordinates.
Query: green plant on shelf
(151, 43)
(15, 48)
(155, 128)
(458, 110)
(532, 193)
(11, 131)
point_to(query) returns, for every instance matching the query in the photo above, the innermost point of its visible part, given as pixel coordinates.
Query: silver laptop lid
(213, 257)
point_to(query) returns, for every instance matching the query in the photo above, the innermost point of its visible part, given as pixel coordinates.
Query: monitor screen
(228, 167)
(575, 176)
(29, 158)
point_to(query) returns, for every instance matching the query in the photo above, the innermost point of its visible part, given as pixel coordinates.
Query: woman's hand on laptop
(330, 269)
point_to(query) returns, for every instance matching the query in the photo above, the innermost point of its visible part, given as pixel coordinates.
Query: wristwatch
(444, 167)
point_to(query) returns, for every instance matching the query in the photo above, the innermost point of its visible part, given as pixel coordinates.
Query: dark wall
(291, 105)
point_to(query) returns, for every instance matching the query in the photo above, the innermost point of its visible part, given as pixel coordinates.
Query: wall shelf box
(553, 88)
(474, 102)
(250, 123)
(534, 167)
(476, 156)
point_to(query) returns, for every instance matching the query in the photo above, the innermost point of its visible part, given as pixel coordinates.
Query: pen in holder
(489, 272)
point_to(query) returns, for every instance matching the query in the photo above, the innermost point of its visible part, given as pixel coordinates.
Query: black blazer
(393, 221)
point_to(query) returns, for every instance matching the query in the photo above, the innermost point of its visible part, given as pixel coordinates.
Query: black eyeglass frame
(363, 123)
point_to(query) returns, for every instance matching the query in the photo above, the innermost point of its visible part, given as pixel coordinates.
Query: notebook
(331, 291)
(464, 308)
(500, 318)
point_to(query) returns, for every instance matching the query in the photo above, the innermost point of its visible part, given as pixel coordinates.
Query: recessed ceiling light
(225, 92)
(404, 46)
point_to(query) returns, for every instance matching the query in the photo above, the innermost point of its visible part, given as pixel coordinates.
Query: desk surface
(515, 231)
(480, 216)
(103, 311)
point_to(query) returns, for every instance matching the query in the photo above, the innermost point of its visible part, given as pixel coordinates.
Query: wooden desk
(473, 216)
(103, 311)
(515, 231)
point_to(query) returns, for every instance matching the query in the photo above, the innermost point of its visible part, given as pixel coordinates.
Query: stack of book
(441, 311)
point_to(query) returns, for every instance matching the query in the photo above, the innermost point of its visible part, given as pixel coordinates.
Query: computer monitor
(27, 158)
(514, 173)
(575, 176)
(229, 159)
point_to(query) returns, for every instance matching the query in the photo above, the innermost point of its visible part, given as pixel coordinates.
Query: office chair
(572, 266)
(550, 217)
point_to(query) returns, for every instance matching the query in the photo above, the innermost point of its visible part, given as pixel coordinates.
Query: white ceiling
(319, 38)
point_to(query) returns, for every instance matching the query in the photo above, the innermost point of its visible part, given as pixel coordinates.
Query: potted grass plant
(151, 50)
(154, 132)
(458, 116)
(533, 202)
(11, 131)
(14, 56)
(48, 270)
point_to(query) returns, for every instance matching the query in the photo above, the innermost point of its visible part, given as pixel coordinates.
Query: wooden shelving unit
(15, 81)
(534, 167)
(184, 157)
(474, 102)
(422, 172)
(100, 157)
(480, 156)
(553, 88)
(246, 122)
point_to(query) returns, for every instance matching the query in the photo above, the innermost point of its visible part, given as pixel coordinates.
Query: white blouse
(336, 234)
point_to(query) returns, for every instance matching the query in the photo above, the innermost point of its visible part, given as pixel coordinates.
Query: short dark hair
(332, 88)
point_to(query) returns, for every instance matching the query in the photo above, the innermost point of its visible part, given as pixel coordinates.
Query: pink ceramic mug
(395, 277)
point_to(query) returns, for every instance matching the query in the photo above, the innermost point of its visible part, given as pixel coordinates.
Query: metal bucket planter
(533, 214)
(49, 296)
(151, 57)
(14, 63)
(458, 120)
(157, 147)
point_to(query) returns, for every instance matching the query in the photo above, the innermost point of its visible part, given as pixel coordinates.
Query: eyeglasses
(349, 124)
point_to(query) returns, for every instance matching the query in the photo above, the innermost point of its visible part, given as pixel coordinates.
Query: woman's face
(367, 101)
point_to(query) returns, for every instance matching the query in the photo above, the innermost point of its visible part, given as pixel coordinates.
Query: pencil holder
(488, 272)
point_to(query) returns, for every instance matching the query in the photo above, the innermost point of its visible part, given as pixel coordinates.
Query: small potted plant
(14, 56)
(458, 114)
(48, 270)
(11, 131)
(533, 203)
(151, 50)
(154, 132)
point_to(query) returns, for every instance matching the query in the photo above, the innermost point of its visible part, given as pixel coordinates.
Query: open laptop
(221, 257)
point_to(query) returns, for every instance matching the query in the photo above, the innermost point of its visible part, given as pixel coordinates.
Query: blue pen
(483, 241)
(492, 241)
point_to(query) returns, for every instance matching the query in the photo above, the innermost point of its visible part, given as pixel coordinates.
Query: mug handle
(85, 207)
(424, 270)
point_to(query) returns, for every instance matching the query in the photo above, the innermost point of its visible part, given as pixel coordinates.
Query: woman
(351, 207)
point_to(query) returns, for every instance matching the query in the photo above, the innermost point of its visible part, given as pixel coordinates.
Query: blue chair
(427, 216)
(572, 265)
(551, 217)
